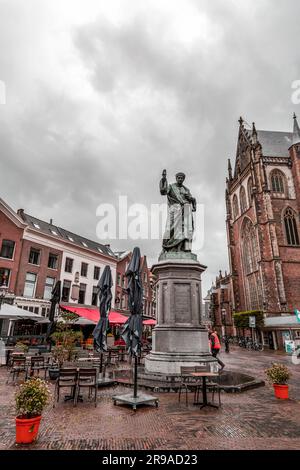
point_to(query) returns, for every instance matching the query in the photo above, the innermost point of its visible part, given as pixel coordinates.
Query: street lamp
(3, 292)
(223, 313)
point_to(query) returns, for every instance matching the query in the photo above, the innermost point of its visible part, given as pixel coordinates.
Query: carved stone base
(178, 339)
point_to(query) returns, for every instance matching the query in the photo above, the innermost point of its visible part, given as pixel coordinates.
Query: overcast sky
(103, 95)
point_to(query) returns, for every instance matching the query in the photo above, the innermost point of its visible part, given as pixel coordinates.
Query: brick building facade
(220, 305)
(263, 229)
(35, 254)
(11, 240)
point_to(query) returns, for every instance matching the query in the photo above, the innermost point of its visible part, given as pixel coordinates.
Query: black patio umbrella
(133, 328)
(55, 299)
(105, 284)
(132, 331)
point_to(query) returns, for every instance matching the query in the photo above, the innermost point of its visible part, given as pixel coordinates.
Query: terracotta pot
(281, 391)
(27, 429)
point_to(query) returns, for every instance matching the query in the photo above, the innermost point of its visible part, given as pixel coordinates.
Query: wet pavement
(254, 419)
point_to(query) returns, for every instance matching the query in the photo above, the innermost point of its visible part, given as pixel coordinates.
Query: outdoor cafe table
(204, 376)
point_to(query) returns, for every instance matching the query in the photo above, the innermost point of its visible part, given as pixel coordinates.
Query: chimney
(107, 245)
(51, 221)
(20, 212)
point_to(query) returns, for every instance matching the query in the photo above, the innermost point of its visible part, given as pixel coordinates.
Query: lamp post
(3, 292)
(223, 312)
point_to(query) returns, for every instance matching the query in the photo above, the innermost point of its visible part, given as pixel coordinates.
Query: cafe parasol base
(140, 399)
(103, 381)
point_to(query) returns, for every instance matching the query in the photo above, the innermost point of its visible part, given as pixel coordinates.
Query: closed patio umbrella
(105, 284)
(133, 328)
(55, 299)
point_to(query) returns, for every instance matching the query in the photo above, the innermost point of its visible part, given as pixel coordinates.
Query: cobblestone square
(254, 419)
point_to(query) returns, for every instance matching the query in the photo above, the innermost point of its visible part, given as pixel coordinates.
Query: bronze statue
(180, 226)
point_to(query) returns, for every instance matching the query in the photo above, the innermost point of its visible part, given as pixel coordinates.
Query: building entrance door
(271, 341)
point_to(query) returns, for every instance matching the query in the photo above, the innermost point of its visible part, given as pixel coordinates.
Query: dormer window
(36, 226)
(99, 249)
(54, 233)
(84, 244)
(71, 239)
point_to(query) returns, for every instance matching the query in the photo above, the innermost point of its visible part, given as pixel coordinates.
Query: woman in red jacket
(215, 347)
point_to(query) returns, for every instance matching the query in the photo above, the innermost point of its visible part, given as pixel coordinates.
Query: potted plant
(21, 347)
(278, 375)
(31, 398)
(65, 340)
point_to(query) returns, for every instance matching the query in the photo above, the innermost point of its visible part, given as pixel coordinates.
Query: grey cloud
(160, 105)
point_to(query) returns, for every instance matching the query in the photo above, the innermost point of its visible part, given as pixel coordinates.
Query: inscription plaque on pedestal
(182, 302)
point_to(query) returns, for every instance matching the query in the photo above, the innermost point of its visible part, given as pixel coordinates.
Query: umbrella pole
(135, 377)
(101, 362)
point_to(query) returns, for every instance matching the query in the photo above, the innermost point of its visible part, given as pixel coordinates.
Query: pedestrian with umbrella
(133, 328)
(105, 296)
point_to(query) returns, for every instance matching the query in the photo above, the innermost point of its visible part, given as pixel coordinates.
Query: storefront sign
(252, 322)
(297, 313)
(289, 346)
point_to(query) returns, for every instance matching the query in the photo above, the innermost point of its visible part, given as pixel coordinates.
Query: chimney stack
(20, 212)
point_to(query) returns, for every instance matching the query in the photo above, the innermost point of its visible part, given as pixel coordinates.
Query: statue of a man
(179, 229)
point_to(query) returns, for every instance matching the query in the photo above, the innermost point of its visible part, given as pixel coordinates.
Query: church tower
(263, 205)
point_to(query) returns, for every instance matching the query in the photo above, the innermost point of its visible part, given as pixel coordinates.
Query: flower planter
(27, 429)
(281, 391)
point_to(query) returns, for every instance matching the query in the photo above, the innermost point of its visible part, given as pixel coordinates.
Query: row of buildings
(34, 254)
(263, 233)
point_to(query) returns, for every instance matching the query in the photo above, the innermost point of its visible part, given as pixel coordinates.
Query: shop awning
(114, 318)
(284, 321)
(151, 321)
(12, 312)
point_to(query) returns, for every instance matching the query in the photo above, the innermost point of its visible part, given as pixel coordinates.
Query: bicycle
(257, 346)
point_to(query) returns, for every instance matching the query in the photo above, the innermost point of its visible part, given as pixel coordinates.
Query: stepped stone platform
(229, 381)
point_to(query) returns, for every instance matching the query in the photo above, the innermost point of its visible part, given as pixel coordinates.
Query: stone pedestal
(179, 339)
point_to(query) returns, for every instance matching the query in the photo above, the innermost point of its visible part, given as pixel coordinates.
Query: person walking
(226, 341)
(215, 347)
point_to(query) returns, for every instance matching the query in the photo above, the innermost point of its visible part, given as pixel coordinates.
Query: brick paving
(254, 419)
